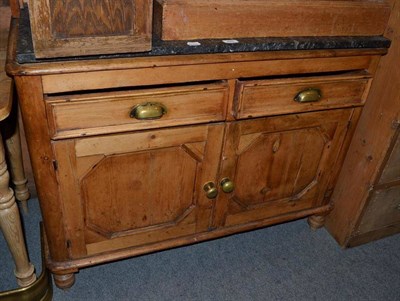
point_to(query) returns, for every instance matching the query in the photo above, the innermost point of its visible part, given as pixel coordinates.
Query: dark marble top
(25, 53)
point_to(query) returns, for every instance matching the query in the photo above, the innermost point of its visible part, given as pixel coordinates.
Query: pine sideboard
(137, 154)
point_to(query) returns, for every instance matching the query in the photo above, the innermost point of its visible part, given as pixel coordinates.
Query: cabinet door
(279, 165)
(133, 189)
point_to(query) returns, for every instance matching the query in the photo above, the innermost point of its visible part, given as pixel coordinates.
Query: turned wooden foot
(316, 221)
(64, 281)
(10, 225)
(12, 139)
(26, 276)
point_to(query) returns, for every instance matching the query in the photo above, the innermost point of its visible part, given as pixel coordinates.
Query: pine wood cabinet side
(373, 141)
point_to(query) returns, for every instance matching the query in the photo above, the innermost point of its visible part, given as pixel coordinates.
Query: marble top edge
(25, 53)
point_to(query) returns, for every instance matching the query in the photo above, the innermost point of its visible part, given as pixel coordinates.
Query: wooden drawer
(102, 113)
(278, 96)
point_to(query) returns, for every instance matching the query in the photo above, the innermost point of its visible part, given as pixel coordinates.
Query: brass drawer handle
(211, 190)
(308, 95)
(148, 110)
(227, 185)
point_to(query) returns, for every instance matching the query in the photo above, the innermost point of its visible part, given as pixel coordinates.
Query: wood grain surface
(279, 164)
(205, 19)
(151, 180)
(11, 227)
(382, 210)
(56, 83)
(33, 109)
(373, 138)
(102, 113)
(391, 172)
(72, 18)
(117, 194)
(269, 97)
(75, 27)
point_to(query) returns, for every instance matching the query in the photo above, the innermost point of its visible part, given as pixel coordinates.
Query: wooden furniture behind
(10, 129)
(10, 223)
(14, 5)
(206, 19)
(74, 27)
(367, 197)
(40, 290)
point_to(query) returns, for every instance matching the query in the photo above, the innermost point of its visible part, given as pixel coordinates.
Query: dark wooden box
(75, 27)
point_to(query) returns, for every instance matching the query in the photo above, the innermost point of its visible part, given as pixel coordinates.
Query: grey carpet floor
(282, 262)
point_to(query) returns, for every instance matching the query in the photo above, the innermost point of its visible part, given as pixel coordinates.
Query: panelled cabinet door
(279, 164)
(76, 27)
(134, 189)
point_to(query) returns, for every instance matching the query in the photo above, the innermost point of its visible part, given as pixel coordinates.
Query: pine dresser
(193, 140)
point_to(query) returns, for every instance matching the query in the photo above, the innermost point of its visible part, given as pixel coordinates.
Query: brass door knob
(227, 185)
(211, 190)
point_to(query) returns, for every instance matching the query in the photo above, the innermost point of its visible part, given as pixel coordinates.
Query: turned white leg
(10, 225)
(16, 167)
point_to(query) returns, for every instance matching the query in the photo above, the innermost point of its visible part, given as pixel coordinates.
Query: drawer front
(114, 112)
(280, 96)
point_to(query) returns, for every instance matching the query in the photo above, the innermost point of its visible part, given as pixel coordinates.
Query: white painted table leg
(10, 225)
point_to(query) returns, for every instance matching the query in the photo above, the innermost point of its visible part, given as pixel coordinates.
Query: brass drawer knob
(148, 110)
(308, 95)
(211, 190)
(227, 185)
